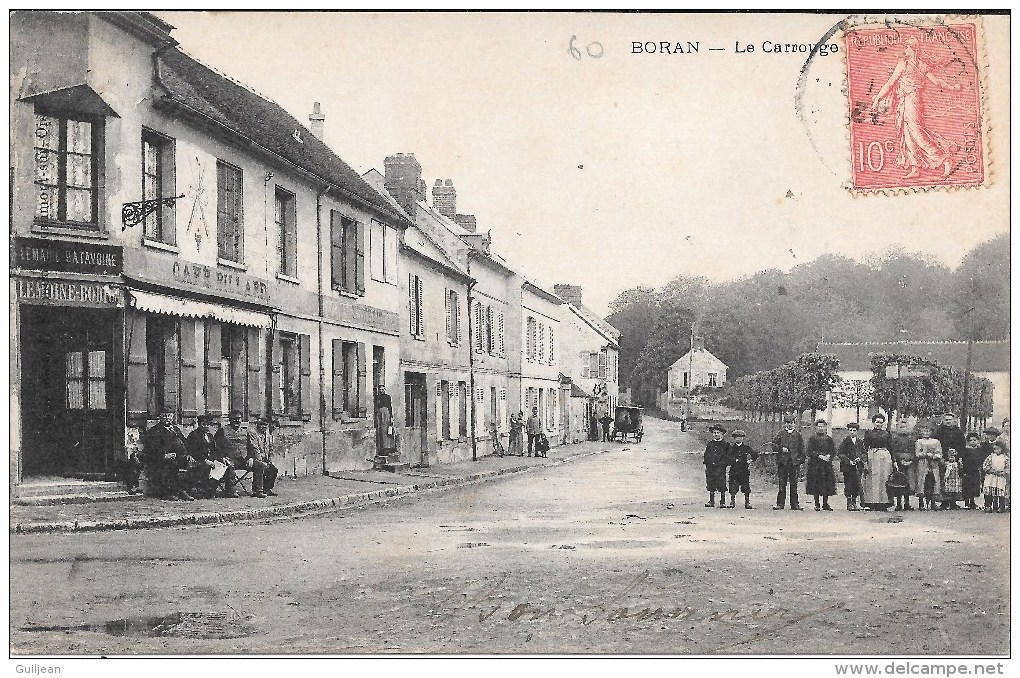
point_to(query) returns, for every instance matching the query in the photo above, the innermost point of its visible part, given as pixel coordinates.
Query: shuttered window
(350, 376)
(416, 306)
(531, 330)
(229, 213)
(490, 340)
(346, 254)
(501, 342)
(453, 317)
(540, 357)
(158, 181)
(286, 229)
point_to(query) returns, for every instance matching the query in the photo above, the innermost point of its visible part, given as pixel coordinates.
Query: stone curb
(284, 510)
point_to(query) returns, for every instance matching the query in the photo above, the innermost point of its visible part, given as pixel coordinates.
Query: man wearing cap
(203, 448)
(852, 456)
(717, 458)
(165, 457)
(741, 456)
(260, 459)
(788, 447)
(232, 442)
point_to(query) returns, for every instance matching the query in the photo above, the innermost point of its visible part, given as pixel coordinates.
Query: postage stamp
(915, 107)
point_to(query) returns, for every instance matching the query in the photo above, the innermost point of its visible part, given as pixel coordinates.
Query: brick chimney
(568, 293)
(404, 182)
(444, 198)
(467, 222)
(318, 121)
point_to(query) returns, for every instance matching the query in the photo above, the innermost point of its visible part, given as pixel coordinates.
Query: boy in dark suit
(741, 456)
(717, 458)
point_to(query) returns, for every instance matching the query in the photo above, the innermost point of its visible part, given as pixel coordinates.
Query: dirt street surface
(613, 553)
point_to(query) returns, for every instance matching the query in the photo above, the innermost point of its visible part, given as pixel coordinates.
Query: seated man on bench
(232, 444)
(165, 458)
(260, 459)
(203, 448)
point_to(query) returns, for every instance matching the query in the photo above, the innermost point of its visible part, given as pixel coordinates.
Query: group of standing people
(538, 443)
(205, 462)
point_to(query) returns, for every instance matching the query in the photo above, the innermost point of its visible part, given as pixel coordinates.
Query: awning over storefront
(188, 308)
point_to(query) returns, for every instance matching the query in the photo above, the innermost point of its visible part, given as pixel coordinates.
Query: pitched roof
(685, 358)
(987, 356)
(595, 326)
(203, 92)
(593, 318)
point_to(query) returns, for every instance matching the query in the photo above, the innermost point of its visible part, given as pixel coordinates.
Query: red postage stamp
(915, 106)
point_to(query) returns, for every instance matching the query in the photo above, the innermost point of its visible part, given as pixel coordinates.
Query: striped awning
(189, 308)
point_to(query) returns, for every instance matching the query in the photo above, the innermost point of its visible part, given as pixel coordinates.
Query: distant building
(989, 359)
(697, 367)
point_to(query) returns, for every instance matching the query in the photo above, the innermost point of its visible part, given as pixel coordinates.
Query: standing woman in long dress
(877, 442)
(516, 444)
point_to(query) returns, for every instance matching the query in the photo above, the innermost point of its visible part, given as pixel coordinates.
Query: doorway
(72, 391)
(416, 421)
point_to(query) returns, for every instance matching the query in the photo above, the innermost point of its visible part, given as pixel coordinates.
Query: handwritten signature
(491, 605)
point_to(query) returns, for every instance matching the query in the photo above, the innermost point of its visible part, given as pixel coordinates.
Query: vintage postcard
(510, 334)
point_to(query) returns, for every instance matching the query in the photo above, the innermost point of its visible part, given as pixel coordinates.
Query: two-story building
(536, 365)
(590, 360)
(183, 243)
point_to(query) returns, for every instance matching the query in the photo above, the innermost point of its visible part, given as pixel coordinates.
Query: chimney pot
(444, 198)
(318, 121)
(568, 293)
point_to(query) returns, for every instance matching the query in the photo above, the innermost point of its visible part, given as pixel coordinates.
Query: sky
(618, 168)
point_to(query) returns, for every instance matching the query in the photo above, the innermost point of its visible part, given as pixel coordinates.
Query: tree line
(763, 321)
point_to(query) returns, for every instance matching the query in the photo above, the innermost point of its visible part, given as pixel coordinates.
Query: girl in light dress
(928, 451)
(996, 468)
(952, 483)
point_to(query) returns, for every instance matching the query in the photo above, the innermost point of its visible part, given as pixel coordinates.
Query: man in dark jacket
(165, 457)
(741, 456)
(821, 481)
(717, 458)
(788, 447)
(950, 435)
(203, 448)
(852, 457)
(606, 422)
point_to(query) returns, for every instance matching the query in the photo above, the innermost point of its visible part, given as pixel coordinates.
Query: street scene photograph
(524, 334)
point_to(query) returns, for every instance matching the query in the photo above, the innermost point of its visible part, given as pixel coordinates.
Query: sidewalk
(297, 496)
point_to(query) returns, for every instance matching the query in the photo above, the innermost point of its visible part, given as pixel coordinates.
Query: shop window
(285, 216)
(233, 369)
(158, 181)
(347, 254)
(74, 372)
(67, 151)
(229, 213)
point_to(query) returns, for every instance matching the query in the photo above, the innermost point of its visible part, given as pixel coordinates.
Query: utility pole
(970, 351)
(690, 374)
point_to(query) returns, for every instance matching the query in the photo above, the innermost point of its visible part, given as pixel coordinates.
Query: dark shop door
(72, 397)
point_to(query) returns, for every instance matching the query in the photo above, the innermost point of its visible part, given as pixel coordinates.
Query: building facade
(536, 366)
(182, 243)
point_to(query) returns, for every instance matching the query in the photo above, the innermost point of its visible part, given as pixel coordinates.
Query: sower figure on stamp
(260, 459)
(788, 447)
(821, 479)
(741, 456)
(717, 458)
(851, 460)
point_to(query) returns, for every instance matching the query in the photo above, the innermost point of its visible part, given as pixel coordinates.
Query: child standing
(952, 483)
(996, 468)
(741, 456)
(928, 451)
(717, 458)
(821, 479)
(970, 470)
(851, 461)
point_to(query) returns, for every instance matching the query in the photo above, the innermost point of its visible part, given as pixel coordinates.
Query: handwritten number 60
(594, 49)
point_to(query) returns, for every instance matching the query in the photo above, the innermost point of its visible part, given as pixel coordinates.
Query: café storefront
(67, 311)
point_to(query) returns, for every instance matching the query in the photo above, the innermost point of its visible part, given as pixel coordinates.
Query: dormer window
(66, 154)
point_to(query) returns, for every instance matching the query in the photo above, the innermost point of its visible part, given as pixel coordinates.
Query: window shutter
(363, 394)
(189, 385)
(540, 354)
(338, 378)
(223, 206)
(169, 188)
(420, 310)
(490, 344)
(412, 308)
(584, 365)
(552, 347)
(350, 248)
(138, 368)
(359, 248)
(336, 250)
(256, 403)
(213, 354)
(448, 298)
(290, 235)
(602, 364)
(502, 340)
(305, 358)
(172, 361)
(456, 303)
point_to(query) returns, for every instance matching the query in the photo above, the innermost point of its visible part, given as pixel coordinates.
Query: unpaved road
(608, 554)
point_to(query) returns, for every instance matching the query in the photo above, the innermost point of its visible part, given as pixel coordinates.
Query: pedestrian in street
(516, 444)
(971, 462)
(852, 456)
(821, 479)
(996, 482)
(929, 467)
(741, 456)
(385, 439)
(788, 447)
(878, 467)
(260, 459)
(950, 435)
(232, 443)
(593, 427)
(717, 458)
(606, 422)
(203, 448)
(165, 458)
(904, 455)
(534, 429)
